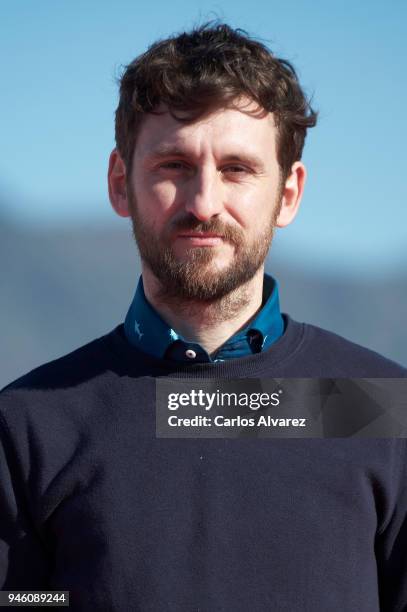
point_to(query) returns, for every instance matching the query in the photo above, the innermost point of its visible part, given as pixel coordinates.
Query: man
(210, 129)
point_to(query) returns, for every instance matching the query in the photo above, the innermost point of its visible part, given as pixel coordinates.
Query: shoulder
(329, 354)
(69, 370)
(72, 384)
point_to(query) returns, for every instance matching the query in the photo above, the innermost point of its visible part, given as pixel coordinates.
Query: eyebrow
(163, 151)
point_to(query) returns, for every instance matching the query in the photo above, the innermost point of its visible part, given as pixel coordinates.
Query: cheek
(251, 207)
(164, 195)
(155, 200)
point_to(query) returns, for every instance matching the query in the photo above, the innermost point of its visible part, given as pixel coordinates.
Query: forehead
(245, 125)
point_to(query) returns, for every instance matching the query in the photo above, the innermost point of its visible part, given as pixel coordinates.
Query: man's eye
(236, 169)
(172, 165)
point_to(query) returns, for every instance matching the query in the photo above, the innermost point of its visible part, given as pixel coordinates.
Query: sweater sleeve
(23, 560)
(391, 550)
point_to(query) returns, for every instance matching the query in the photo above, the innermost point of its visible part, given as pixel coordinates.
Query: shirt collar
(145, 329)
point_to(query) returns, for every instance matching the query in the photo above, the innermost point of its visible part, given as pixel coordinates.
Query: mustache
(189, 222)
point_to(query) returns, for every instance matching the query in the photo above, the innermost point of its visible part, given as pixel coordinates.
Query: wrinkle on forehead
(162, 131)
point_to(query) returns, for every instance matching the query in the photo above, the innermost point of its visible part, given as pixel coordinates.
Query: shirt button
(190, 354)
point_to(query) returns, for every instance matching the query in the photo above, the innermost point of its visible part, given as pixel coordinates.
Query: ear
(116, 177)
(292, 194)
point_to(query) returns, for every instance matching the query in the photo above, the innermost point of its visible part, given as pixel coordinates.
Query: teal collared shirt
(145, 329)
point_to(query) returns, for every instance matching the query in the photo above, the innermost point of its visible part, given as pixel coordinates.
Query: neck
(209, 324)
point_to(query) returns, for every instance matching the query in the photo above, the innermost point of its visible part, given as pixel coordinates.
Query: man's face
(203, 198)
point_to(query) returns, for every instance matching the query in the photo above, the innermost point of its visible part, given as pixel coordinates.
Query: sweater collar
(146, 330)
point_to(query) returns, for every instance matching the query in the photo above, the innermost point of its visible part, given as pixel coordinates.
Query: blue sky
(59, 63)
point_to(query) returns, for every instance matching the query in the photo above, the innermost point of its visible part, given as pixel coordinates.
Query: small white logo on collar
(264, 340)
(137, 330)
(173, 335)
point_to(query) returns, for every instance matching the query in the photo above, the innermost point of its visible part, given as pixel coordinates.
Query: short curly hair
(210, 65)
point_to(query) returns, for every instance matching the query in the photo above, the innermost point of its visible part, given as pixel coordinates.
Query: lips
(200, 238)
(199, 235)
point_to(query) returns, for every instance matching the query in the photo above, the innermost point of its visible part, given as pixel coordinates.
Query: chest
(184, 521)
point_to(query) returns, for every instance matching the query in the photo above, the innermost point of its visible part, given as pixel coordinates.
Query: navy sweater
(92, 502)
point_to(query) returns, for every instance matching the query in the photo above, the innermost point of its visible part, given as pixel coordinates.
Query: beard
(197, 278)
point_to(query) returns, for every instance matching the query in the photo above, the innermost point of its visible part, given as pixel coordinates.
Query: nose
(204, 196)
